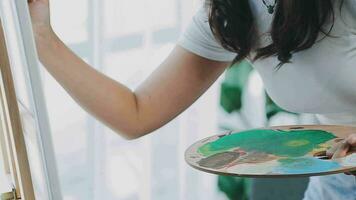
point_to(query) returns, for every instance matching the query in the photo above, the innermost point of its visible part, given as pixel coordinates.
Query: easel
(12, 139)
(25, 135)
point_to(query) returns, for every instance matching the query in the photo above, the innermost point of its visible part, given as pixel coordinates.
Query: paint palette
(274, 152)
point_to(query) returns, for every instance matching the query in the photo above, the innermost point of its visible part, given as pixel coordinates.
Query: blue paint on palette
(304, 165)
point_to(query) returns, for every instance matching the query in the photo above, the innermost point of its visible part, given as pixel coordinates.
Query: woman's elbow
(132, 136)
(133, 133)
(133, 130)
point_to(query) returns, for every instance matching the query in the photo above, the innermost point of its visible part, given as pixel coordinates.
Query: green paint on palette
(305, 165)
(292, 143)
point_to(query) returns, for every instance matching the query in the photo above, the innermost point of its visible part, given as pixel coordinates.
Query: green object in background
(272, 108)
(235, 188)
(230, 99)
(231, 88)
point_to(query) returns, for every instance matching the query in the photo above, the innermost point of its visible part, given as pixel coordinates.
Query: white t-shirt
(320, 80)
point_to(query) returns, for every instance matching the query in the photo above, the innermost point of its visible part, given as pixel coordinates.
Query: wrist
(43, 35)
(46, 41)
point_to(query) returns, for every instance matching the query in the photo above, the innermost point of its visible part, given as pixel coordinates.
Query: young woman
(305, 51)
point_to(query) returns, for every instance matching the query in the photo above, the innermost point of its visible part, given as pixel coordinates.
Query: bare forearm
(168, 91)
(106, 99)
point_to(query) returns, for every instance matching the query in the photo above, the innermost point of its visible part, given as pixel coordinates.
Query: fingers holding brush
(343, 148)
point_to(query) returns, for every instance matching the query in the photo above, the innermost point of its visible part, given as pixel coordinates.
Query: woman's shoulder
(199, 39)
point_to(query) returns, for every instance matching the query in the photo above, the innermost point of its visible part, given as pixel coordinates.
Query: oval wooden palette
(283, 151)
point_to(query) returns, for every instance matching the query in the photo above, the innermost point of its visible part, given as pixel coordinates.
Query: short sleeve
(199, 39)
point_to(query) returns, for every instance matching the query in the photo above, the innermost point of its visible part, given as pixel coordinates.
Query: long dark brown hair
(296, 26)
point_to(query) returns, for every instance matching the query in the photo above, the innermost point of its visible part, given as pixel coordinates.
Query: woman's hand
(342, 148)
(40, 14)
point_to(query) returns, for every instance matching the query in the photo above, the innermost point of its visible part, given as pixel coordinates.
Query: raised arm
(173, 87)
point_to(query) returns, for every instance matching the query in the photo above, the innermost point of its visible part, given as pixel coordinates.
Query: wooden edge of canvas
(3, 146)
(19, 160)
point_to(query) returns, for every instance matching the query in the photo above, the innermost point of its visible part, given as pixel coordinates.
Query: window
(126, 40)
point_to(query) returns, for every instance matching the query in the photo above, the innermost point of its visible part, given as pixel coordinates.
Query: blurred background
(126, 40)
